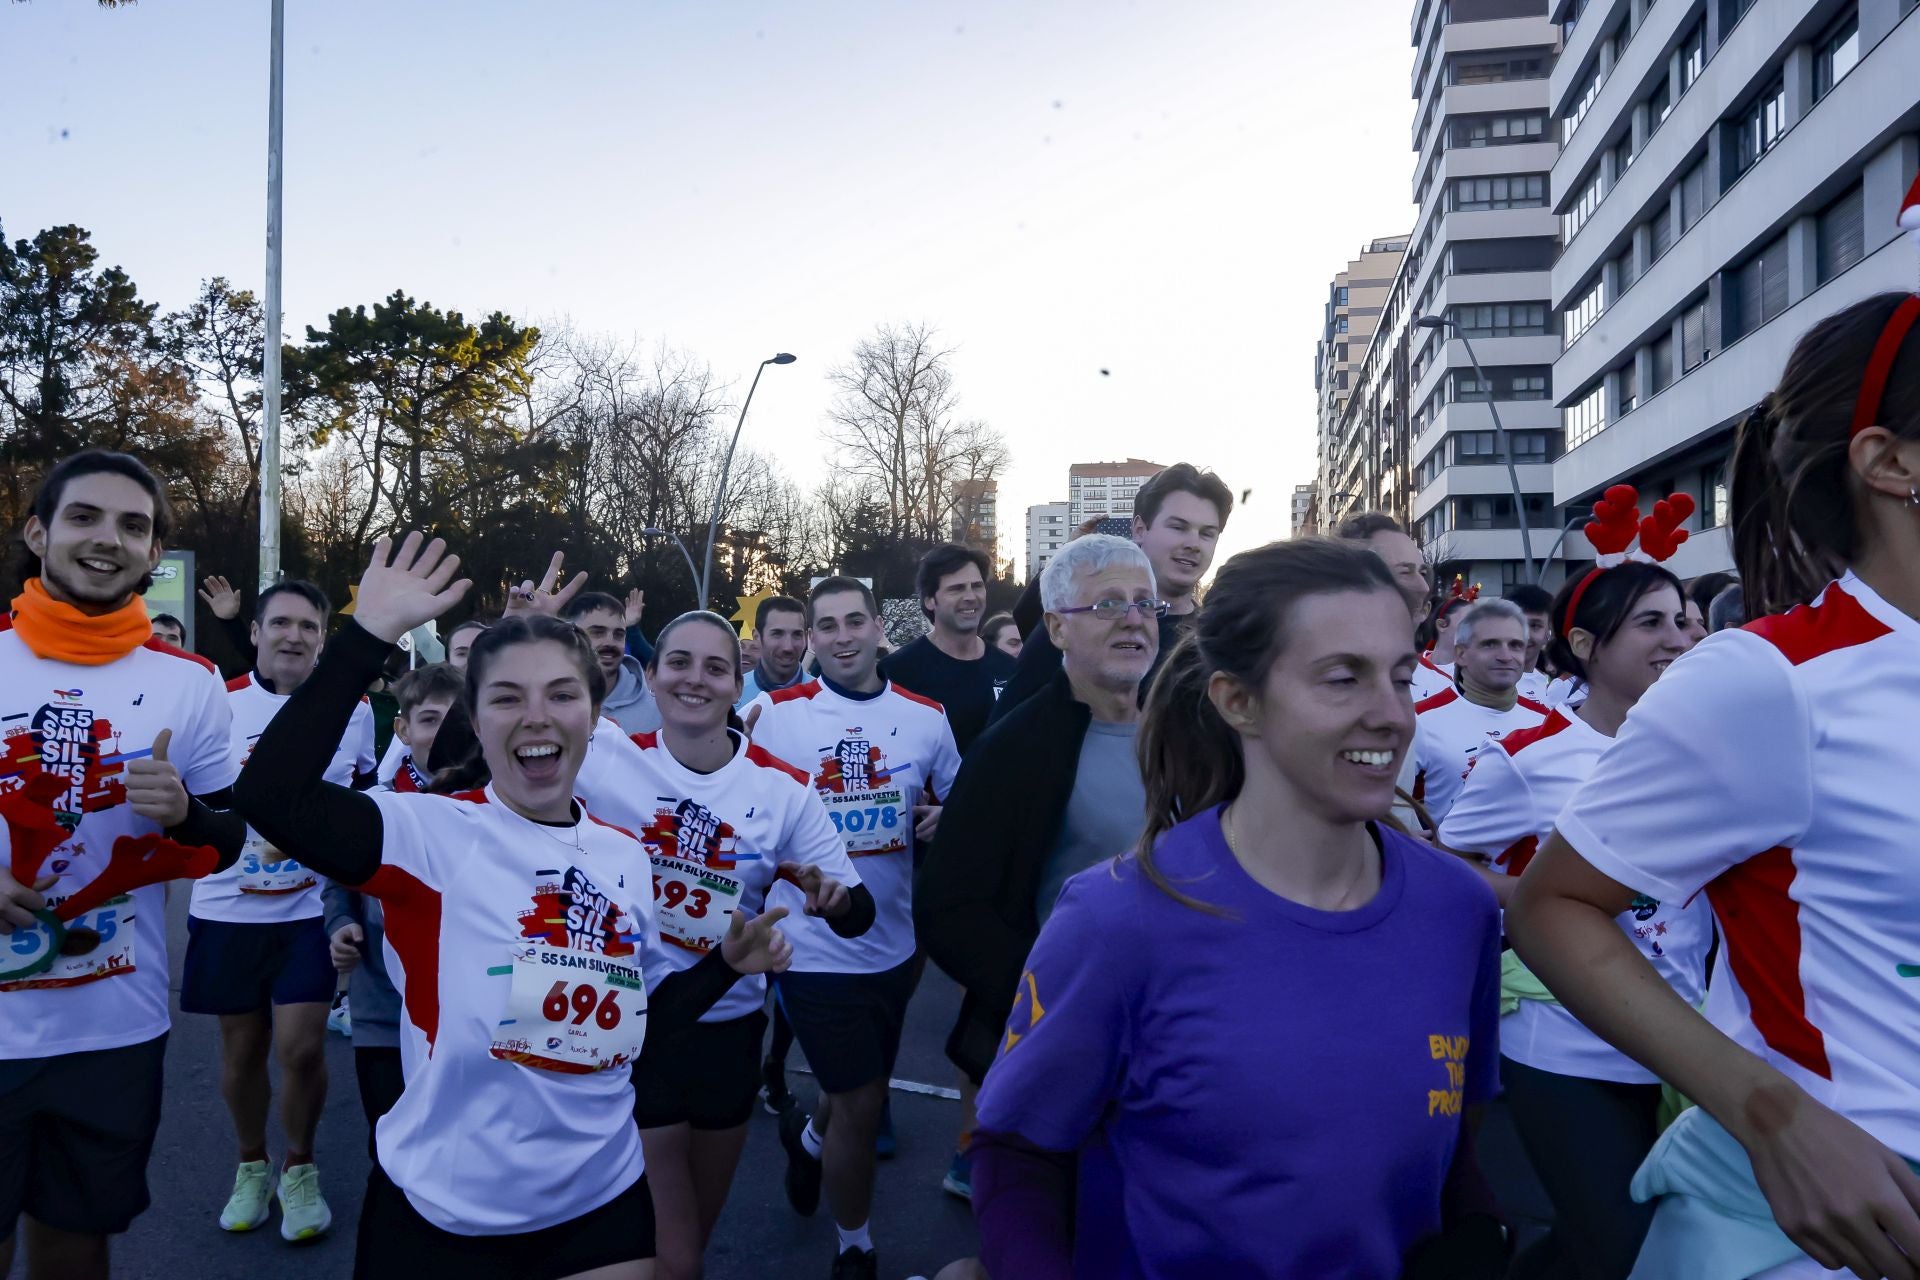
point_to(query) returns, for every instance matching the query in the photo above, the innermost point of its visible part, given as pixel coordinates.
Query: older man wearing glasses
(1049, 790)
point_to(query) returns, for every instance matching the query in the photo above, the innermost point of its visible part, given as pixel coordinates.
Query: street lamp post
(1565, 529)
(685, 554)
(705, 576)
(1499, 429)
(270, 361)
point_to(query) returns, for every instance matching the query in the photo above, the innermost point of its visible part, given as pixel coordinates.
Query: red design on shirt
(1754, 904)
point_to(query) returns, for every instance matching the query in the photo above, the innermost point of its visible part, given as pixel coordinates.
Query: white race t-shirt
(266, 886)
(88, 723)
(716, 839)
(1430, 679)
(871, 760)
(1449, 731)
(1533, 684)
(1774, 766)
(390, 762)
(522, 954)
(1512, 795)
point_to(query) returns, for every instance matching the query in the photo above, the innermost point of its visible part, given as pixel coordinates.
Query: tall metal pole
(692, 572)
(270, 363)
(1513, 472)
(720, 494)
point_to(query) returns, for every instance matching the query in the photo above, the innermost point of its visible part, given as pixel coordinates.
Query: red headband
(1873, 387)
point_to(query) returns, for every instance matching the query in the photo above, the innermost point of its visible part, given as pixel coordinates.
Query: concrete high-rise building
(976, 505)
(1730, 174)
(1048, 529)
(1303, 509)
(1105, 488)
(1483, 248)
(1356, 301)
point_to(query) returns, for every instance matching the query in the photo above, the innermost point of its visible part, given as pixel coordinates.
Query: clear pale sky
(1159, 189)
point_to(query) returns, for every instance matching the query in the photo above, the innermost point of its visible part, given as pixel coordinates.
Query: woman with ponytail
(1256, 1039)
(1773, 766)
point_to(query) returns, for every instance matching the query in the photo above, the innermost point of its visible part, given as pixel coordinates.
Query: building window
(1758, 290)
(1581, 209)
(1585, 418)
(1693, 55)
(1837, 53)
(1484, 70)
(1340, 325)
(1696, 337)
(1340, 296)
(1660, 232)
(1731, 11)
(1693, 196)
(1660, 104)
(1518, 191)
(1840, 236)
(1757, 129)
(1495, 511)
(1581, 315)
(1471, 447)
(1624, 270)
(1623, 154)
(1629, 382)
(1498, 131)
(1662, 363)
(1499, 319)
(1589, 91)
(1512, 382)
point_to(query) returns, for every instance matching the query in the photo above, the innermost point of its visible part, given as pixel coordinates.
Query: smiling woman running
(521, 937)
(1269, 929)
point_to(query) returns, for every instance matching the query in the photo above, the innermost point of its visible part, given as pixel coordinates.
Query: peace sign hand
(549, 597)
(404, 588)
(756, 947)
(826, 897)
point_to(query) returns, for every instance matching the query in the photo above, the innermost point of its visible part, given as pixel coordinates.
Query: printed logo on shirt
(570, 911)
(1451, 1053)
(853, 764)
(999, 687)
(868, 808)
(691, 831)
(74, 743)
(1027, 1011)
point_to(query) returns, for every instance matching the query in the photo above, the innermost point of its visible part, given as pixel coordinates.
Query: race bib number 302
(265, 870)
(571, 1011)
(871, 822)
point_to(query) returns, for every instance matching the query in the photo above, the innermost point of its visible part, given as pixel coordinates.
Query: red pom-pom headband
(1615, 526)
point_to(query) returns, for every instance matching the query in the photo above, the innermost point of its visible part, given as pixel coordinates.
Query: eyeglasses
(1114, 610)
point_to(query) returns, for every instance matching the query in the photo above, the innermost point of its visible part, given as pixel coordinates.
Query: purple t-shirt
(1276, 1093)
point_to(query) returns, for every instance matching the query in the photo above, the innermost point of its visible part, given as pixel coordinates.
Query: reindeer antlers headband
(1617, 524)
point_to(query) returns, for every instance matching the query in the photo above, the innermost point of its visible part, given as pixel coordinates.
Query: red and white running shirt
(716, 840)
(1449, 731)
(1512, 795)
(871, 760)
(88, 723)
(523, 954)
(1430, 679)
(266, 886)
(1774, 766)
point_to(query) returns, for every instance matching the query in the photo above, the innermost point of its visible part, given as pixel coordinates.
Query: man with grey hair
(1454, 725)
(1047, 791)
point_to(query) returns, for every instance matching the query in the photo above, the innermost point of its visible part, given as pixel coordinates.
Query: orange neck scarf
(57, 630)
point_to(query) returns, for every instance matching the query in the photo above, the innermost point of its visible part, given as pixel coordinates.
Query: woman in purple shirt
(1257, 1041)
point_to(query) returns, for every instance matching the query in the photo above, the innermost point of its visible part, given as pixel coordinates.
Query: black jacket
(973, 900)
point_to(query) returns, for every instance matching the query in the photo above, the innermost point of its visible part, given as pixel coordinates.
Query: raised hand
(403, 588)
(757, 947)
(344, 947)
(549, 597)
(826, 897)
(154, 788)
(220, 597)
(753, 718)
(636, 605)
(926, 821)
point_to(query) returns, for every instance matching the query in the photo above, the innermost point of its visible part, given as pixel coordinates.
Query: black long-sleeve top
(340, 832)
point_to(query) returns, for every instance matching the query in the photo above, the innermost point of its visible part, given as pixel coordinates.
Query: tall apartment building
(976, 505)
(1483, 250)
(1730, 174)
(1105, 488)
(1305, 500)
(1048, 529)
(1355, 301)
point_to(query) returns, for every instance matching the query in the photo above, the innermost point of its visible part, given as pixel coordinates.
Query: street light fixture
(704, 577)
(685, 554)
(1565, 529)
(1500, 430)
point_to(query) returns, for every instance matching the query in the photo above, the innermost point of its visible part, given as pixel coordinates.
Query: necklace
(1339, 903)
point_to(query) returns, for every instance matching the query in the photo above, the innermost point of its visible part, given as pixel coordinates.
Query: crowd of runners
(1259, 891)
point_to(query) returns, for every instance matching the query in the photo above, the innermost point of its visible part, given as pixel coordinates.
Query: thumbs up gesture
(154, 788)
(756, 946)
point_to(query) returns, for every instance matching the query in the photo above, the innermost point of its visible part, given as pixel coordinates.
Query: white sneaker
(303, 1210)
(247, 1206)
(340, 1019)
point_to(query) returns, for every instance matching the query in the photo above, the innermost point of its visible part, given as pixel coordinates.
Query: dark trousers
(378, 1071)
(1585, 1139)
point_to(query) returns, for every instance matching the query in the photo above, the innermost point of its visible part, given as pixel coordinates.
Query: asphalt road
(917, 1227)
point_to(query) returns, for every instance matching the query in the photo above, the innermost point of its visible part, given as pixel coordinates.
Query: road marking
(909, 1086)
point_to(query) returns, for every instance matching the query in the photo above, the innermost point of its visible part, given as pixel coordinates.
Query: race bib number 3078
(871, 822)
(571, 1011)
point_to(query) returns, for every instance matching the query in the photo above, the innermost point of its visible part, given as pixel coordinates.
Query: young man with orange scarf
(115, 769)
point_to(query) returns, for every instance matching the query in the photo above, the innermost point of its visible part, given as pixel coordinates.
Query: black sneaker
(774, 1094)
(857, 1264)
(803, 1170)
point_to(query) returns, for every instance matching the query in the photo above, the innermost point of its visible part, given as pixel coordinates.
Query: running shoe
(252, 1191)
(857, 1264)
(303, 1210)
(959, 1179)
(340, 1019)
(884, 1145)
(774, 1094)
(803, 1170)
